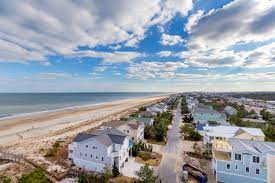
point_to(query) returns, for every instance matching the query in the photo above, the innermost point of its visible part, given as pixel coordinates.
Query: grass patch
(154, 141)
(151, 162)
(53, 151)
(121, 179)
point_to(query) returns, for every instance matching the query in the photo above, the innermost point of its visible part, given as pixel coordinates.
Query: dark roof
(82, 136)
(106, 137)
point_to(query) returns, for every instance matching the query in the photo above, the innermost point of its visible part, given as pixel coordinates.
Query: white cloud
(110, 57)
(101, 68)
(193, 20)
(170, 40)
(32, 30)
(146, 70)
(165, 53)
(213, 35)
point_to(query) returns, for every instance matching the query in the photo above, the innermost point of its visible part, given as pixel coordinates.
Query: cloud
(170, 40)
(193, 20)
(109, 57)
(32, 30)
(165, 53)
(101, 68)
(212, 35)
(146, 70)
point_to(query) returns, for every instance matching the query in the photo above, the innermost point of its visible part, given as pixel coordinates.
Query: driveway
(169, 169)
(131, 167)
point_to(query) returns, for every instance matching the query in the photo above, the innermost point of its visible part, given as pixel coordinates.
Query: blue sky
(138, 45)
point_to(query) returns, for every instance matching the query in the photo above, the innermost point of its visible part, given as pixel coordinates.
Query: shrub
(144, 155)
(37, 176)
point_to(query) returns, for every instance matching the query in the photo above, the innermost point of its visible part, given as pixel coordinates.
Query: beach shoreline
(66, 122)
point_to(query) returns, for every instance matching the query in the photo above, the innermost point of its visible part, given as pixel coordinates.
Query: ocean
(20, 103)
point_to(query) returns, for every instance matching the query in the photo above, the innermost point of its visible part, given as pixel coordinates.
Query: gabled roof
(134, 124)
(146, 114)
(82, 136)
(231, 131)
(106, 137)
(256, 147)
(142, 119)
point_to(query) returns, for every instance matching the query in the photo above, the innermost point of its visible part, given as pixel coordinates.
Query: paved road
(168, 172)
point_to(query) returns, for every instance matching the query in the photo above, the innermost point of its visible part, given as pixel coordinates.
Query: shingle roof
(145, 120)
(257, 147)
(82, 136)
(146, 114)
(106, 137)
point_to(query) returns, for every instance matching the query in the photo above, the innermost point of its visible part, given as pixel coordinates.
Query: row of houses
(240, 154)
(110, 144)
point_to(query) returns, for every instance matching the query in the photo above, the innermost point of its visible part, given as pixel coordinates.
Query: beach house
(94, 151)
(204, 114)
(230, 110)
(146, 121)
(133, 128)
(244, 161)
(211, 133)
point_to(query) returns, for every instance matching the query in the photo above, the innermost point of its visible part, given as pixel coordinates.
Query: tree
(161, 131)
(189, 133)
(145, 175)
(5, 179)
(37, 176)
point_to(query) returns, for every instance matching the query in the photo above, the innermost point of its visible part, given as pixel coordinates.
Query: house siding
(234, 175)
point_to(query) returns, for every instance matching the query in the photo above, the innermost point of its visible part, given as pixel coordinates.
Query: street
(168, 171)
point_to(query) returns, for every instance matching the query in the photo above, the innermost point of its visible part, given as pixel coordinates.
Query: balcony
(221, 155)
(221, 145)
(115, 154)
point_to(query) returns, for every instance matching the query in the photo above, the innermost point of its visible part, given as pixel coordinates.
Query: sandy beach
(30, 131)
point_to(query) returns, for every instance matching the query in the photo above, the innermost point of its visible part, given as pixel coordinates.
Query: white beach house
(94, 151)
(211, 133)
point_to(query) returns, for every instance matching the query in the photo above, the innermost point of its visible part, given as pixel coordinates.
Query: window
(127, 131)
(94, 147)
(238, 156)
(86, 154)
(256, 159)
(133, 138)
(257, 171)
(247, 169)
(96, 157)
(102, 159)
(228, 166)
(236, 167)
(87, 146)
(91, 156)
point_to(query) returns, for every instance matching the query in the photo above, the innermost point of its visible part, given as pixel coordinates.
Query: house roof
(231, 131)
(134, 124)
(146, 114)
(200, 126)
(257, 147)
(106, 137)
(142, 119)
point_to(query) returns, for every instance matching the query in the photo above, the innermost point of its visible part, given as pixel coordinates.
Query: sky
(137, 45)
